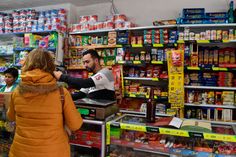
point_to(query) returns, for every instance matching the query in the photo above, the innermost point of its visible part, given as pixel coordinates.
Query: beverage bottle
(151, 108)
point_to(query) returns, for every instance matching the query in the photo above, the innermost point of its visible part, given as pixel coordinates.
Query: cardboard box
(5, 98)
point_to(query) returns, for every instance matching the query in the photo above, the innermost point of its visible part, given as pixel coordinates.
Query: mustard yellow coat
(36, 107)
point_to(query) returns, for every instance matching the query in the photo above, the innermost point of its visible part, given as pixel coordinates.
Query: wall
(144, 12)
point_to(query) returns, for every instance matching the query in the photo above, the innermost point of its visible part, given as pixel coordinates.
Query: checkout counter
(92, 135)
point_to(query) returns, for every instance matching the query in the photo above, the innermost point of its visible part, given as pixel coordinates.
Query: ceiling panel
(16, 4)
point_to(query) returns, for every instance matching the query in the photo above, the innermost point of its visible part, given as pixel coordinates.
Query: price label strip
(133, 127)
(174, 132)
(219, 137)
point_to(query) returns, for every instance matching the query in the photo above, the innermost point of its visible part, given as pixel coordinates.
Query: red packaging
(108, 25)
(83, 19)
(119, 17)
(92, 18)
(99, 25)
(84, 27)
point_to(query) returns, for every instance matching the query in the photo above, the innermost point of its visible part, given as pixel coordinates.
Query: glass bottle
(151, 108)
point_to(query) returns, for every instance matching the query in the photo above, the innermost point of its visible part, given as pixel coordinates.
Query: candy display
(164, 142)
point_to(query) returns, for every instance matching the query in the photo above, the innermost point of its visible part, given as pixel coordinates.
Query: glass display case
(131, 135)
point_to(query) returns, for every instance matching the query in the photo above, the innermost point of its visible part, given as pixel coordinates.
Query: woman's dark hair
(93, 53)
(12, 71)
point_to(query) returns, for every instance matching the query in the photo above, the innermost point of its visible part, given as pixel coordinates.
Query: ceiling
(16, 4)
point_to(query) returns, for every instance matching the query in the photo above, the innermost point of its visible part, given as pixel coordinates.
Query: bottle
(151, 108)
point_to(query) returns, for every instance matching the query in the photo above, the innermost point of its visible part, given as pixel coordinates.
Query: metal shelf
(81, 145)
(211, 105)
(210, 87)
(208, 25)
(97, 122)
(142, 113)
(213, 122)
(22, 33)
(151, 151)
(124, 29)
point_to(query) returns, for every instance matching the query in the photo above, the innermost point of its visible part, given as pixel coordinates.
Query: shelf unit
(211, 105)
(210, 87)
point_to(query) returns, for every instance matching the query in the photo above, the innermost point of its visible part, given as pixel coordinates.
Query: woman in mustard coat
(39, 114)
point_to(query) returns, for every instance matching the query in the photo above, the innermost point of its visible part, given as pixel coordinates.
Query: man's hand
(57, 74)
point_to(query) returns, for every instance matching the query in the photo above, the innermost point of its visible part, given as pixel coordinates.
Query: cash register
(96, 109)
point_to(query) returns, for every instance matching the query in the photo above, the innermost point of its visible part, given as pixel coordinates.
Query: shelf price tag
(196, 134)
(133, 127)
(225, 41)
(121, 62)
(219, 137)
(132, 95)
(174, 132)
(158, 45)
(108, 129)
(193, 68)
(155, 79)
(137, 45)
(219, 69)
(118, 45)
(203, 41)
(157, 62)
(1, 124)
(180, 41)
(152, 129)
(136, 62)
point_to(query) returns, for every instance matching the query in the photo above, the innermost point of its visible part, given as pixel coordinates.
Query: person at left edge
(10, 77)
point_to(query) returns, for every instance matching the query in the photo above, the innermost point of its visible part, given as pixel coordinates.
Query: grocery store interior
(173, 64)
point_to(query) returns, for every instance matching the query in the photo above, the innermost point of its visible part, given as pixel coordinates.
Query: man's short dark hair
(12, 71)
(92, 52)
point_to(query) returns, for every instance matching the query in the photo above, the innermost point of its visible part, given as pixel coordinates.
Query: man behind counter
(98, 86)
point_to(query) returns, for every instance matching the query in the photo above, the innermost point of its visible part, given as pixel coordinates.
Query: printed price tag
(118, 45)
(152, 129)
(158, 45)
(196, 134)
(203, 41)
(132, 95)
(137, 45)
(2, 123)
(219, 69)
(193, 68)
(121, 62)
(174, 132)
(157, 62)
(108, 130)
(133, 127)
(225, 41)
(155, 79)
(219, 137)
(180, 41)
(136, 62)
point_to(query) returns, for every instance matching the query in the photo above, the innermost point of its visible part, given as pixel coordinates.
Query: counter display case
(131, 135)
